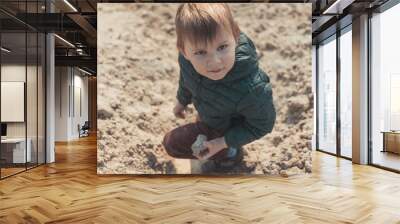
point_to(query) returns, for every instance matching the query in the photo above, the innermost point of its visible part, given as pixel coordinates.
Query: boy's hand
(179, 110)
(214, 146)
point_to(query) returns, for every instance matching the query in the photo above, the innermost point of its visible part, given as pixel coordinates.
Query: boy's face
(215, 60)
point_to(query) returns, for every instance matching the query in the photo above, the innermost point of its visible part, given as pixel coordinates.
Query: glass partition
(32, 87)
(31, 100)
(327, 95)
(41, 87)
(346, 93)
(385, 89)
(13, 94)
(22, 77)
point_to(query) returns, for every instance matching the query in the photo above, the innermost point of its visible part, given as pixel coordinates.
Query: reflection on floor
(386, 159)
(10, 169)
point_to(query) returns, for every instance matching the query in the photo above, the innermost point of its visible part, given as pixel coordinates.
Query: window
(327, 95)
(346, 93)
(385, 88)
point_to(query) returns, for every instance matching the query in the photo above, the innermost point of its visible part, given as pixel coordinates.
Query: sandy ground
(138, 76)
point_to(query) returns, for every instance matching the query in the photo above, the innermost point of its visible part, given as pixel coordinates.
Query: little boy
(219, 74)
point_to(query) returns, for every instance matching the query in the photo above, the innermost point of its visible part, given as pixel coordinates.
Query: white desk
(19, 149)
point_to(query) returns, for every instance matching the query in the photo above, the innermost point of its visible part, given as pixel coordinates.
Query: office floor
(70, 191)
(387, 159)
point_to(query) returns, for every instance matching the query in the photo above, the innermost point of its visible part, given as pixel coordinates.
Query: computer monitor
(3, 129)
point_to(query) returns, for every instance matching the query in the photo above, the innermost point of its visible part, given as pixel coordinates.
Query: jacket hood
(246, 62)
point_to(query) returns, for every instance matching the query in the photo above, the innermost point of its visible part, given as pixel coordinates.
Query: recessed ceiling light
(338, 6)
(64, 40)
(86, 72)
(5, 50)
(70, 5)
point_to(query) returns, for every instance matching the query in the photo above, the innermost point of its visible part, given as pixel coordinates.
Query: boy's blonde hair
(199, 23)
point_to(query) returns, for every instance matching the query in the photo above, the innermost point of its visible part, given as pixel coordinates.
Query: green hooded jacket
(240, 104)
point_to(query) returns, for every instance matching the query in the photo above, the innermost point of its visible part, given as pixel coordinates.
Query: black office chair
(84, 130)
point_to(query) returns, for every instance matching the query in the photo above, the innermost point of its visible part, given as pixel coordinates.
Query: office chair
(84, 130)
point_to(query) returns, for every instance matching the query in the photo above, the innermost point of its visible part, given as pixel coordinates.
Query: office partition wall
(22, 63)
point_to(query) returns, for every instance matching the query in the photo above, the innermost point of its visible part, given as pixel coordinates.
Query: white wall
(82, 82)
(17, 72)
(12, 101)
(14, 72)
(69, 82)
(61, 103)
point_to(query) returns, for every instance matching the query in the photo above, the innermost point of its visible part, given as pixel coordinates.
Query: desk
(391, 141)
(17, 151)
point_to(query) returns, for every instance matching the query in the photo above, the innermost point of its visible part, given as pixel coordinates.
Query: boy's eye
(222, 47)
(200, 53)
